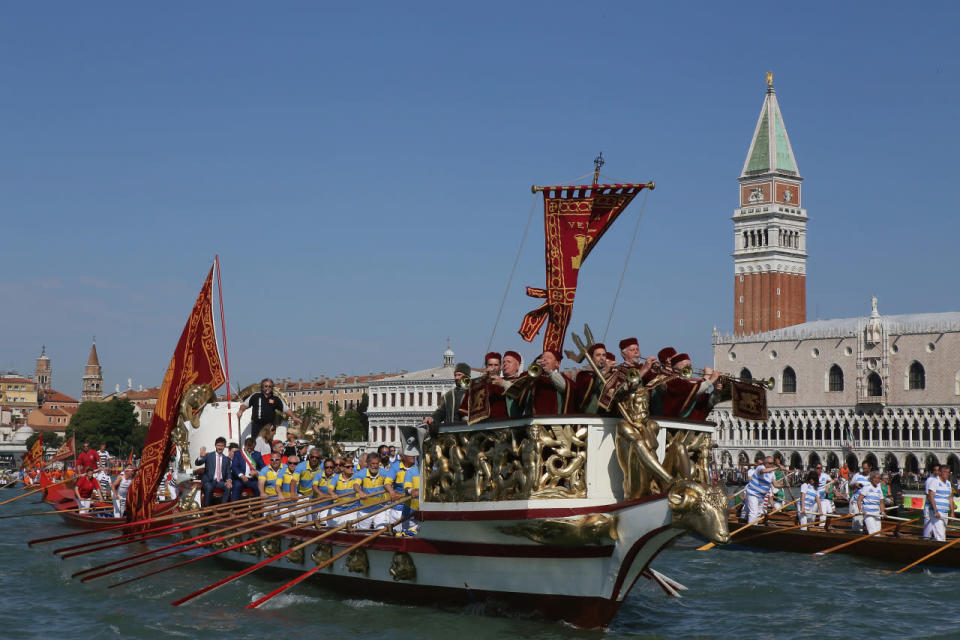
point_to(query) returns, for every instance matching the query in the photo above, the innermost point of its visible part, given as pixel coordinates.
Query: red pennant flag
(130, 459)
(35, 456)
(575, 218)
(195, 361)
(66, 451)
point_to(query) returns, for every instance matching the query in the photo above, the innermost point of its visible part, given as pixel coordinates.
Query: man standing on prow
(938, 504)
(265, 407)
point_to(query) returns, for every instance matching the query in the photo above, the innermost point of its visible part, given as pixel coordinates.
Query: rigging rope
(506, 291)
(626, 262)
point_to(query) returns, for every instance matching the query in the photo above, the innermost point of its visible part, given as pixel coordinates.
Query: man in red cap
(510, 373)
(677, 397)
(549, 394)
(586, 386)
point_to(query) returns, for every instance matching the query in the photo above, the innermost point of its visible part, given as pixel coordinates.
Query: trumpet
(766, 383)
(534, 370)
(464, 383)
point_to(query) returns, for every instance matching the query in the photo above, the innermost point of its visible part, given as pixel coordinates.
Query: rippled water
(733, 593)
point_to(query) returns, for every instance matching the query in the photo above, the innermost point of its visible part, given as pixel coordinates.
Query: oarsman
(550, 393)
(105, 481)
(371, 494)
(121, 487)
(265, 407)
(760, 484)
(870, 502)
(325, 482)
(360, 467)
(84, 490)
(346, 482)
(288, 488)
(449, 408)
(858, 482)
(246, 467)
(385, 464)
(393, 455)
(271, 480)
(811, 505)
(823, 479)
(411, 485)
(938, 505)
(103, 455)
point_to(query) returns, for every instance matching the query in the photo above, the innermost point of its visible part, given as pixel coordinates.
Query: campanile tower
(770, 230)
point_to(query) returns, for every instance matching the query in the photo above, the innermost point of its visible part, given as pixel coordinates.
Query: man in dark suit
(246, 467)
(216, 473)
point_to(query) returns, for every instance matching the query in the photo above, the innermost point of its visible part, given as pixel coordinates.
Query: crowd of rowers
(505, 391)
(868, 492)
(340, 489)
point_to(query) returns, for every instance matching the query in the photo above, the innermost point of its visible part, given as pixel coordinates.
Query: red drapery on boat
(575, 218)
(195, 361)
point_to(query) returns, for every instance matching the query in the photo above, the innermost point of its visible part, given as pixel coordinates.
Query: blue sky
(364, 170)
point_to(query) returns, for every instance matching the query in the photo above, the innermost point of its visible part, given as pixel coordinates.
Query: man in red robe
(550, 393)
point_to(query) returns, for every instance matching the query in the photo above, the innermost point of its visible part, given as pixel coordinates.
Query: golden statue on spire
(769, 78)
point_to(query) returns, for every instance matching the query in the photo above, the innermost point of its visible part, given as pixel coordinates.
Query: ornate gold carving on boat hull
(322, 553)
(357, 561)
(596, 529)
(295, 557)
(514, 463)
(270, 547)
(402, 567)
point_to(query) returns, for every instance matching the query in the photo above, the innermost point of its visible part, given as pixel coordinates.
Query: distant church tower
(44, 374)
(770, 231)
(92, 387)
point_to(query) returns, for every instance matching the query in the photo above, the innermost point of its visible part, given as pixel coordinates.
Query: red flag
(195, 361)
(35, 456)
(66, 451)
(130, 459)
(575, 218)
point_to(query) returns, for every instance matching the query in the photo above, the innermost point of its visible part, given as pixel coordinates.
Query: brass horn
(464, 382)
(535, 370)
(633, 376)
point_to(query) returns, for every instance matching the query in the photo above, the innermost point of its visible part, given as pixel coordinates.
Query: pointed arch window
(789, 384)
(835, 382)
(916, 377)
(745, 374)
(874, 385)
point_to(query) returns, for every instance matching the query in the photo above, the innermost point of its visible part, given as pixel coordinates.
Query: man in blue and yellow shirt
(342, 484)
(272, 478)
(372, 493)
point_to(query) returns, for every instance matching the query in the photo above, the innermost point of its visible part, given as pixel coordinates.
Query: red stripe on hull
(532, 514)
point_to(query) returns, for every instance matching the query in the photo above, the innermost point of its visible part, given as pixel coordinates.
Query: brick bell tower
(769, 230)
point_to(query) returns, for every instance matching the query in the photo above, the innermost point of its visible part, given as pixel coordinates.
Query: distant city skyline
(364, 173)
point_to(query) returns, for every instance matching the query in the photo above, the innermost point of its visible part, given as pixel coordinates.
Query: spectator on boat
(216, 471)
(290, 447)
(449, 407)
(870, 503)
(246, 466)
(87, 458)
(266, 408)
(887, 490)
(811, 506)
(760, 484)
(84, 490)
(938, 505)
(104, 479)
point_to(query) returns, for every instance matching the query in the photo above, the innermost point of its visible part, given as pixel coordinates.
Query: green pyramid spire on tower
(770, 150)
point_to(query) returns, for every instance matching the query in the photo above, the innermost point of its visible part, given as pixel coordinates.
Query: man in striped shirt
(870, 503)
(938, 505)
(760, 484)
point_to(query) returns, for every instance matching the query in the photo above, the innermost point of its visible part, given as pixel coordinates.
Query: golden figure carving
(699, 509)
(517, 463)
(636, 444)
(596, 529)
(271, 546)
(402, 567)
(296, 557)
(195, 398)
(251, 548)
(188, 499)
(357, 561)
(687, 455)
(322, 553)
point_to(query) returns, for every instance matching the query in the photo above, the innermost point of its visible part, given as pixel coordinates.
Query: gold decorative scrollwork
(402, 567)
(357, 561)
(596, 529)
(515, 463)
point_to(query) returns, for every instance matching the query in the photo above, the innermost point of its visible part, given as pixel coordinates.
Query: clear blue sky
(363, 169)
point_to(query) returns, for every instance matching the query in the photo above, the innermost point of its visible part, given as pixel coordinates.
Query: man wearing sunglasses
(265, 407)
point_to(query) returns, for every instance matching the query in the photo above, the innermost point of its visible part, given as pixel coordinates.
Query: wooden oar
(263, 563)
(856, 540)
(177, 528)
(54, 512)
(303, 576)
(234, 530)
(943, 547)
(818, 523)
(31, 492)
(169, 529)
(233, 546)
(711, 545)
(163, 518)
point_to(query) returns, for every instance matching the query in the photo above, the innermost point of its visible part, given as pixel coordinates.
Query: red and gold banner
(749, 401)
(575, 218)
(195, 361)
(66, 451)
(35, 456)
